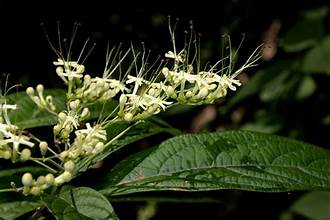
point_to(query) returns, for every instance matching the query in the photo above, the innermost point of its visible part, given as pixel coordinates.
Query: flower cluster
(178, 81)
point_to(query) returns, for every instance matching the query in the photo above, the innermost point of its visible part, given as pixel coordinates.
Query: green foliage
(12, 210)
(227, 160)
(29, 116)
(81, 203)
(312, 205)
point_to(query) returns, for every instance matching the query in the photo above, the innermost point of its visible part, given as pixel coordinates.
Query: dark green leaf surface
(62, 209)
(89, 203)
(12, 210)
(28, 115)
(228, 160)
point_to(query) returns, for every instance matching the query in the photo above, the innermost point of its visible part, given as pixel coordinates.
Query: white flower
(176, 57)
(138, 82)
(71, 69)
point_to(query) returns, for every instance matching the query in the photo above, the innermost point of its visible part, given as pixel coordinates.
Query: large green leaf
(28, 115)
(89, 203)
(12, 210)
(228, 160)
(61, 209)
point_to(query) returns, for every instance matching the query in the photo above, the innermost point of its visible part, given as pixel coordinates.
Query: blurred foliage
(288, 95)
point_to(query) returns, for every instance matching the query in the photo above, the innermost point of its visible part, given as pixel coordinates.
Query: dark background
(26, 56)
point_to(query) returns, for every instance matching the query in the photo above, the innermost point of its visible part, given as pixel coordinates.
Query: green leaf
(228, 160)
(306, 88)
(12, 210)
(136, 133)
(28, 115)
(317, 59)
(61, 209)
(89, 203)
(313, 205)
(306, 32)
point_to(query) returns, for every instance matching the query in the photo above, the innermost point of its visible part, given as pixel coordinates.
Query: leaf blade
(228, 160)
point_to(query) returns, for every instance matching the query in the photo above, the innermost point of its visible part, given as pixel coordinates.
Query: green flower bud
(74, 104)
(128, 116)
(62, 116)
(30, 91)
(99, 147)
(57, 129)
(69, 166)
(27, 179)
(35, 191)
(165, 71)
(25, 154)
(203, 93)
(49, 179)
(40, 88)
(67, 176)
(64, 154)
(6, 154)
(43, 147)
(84, 113)
(41, 180)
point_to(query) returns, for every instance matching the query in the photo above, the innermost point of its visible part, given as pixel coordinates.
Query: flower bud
(203, 92)
(84, 113)
(43, 147)
(57, 129)
(41, 180)
(27, 179)
(25, 154)
(40, 88)
(35, 191)
(165, 71)
(6, 154)
(64, 154)
(128, 116)
(74, 104)
(49, 179)
(69, 165)
(62, 116)
(169, 90)
(67, 176)
(99, 147)
(30, 91)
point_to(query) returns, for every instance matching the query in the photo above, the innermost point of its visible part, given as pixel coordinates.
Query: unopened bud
(27, 179)
(35, 191)
(30, 91)
(128, 117)
(43, 147)
(67, 176)
(49, 179)
(84, 113)
(74, 104)
(6, 155)
(41, 180)
(62, 116)
(40, 88)
(25, 154)
(69, 165)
